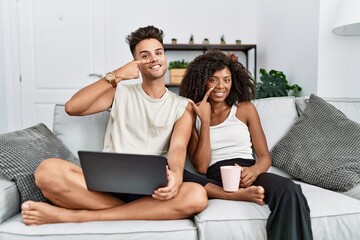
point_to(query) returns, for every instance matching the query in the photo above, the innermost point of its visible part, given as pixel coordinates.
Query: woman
(226, 132)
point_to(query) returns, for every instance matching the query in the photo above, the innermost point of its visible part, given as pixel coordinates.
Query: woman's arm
(248, 114)
(199, 146)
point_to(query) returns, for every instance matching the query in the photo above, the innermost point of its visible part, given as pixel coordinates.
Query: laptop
(123, 173)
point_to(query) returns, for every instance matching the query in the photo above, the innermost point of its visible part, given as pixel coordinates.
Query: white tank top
(141, 124)
(229, 139)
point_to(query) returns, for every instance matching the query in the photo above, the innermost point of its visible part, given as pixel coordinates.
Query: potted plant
(206, 41)
(177, 70)
(237, 41)
(191, 40)
(222, 39)
(274, 84)
(173, 41)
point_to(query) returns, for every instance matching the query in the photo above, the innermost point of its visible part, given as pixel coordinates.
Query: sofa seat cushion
(333, 216)
(322, 148)
(14, 229)
(354, 192)
(9, 198)
(225, 219)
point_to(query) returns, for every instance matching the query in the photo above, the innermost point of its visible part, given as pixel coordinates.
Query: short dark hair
(203, 67)
(144, 33)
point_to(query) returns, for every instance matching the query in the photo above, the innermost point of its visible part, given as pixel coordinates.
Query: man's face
(152, 50)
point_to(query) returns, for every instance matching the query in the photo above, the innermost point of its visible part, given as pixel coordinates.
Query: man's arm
(99, 96)
(177, 155)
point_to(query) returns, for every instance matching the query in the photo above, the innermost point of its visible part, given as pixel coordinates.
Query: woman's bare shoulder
(246, 106)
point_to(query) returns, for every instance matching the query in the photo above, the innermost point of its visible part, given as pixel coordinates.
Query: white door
(61, 45)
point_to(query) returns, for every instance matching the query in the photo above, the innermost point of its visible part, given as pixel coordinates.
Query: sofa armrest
(9, 198)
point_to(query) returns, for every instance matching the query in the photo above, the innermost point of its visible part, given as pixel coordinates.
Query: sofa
(334, 214)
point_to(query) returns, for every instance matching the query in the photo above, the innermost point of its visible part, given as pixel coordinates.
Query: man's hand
(130, 70)
(170, 191)
(203, 108)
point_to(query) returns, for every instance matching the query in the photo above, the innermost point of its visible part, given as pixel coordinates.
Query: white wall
(3, 109)
(296, 37)
(288, 40)
(180, 19)
(292, 36)
(339, 56)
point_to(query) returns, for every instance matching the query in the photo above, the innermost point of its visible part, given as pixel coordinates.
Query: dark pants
(290, 214)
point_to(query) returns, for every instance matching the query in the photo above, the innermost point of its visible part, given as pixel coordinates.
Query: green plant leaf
(273, 84)
(178, 64)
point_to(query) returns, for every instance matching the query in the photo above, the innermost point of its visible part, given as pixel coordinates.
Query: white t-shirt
(229, 139)
(141, 124)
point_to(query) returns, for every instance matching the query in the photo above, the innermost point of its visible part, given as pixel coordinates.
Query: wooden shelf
(170, 85)
(245, 48)
(205, 47)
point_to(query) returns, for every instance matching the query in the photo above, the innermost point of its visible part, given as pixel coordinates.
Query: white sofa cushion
(80, 133)
(14, 229)
(354, 192)
(9, 198)
(349, 106)
(329, 211)
(277, 115)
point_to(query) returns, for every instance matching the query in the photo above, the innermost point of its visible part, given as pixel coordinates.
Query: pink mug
(230, 176)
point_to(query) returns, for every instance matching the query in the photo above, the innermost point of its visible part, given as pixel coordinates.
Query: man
(145, 118)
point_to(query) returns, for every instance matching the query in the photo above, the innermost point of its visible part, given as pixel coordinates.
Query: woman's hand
(248, 176)
(203, 108)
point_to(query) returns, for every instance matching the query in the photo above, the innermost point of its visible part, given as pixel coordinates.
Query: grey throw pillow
(22, 151)
(322, 148)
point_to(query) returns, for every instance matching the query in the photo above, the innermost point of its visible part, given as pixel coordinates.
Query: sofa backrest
(277, 115)
(349, 106)
(80, 133)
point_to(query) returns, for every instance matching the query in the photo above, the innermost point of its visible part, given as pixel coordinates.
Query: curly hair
(144, 33)
(202, 68)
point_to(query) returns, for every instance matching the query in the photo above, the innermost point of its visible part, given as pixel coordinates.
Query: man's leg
(64, 185)
(190, 200)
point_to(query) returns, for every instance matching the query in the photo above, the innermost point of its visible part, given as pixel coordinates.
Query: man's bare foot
(254, 194)
(36, 213)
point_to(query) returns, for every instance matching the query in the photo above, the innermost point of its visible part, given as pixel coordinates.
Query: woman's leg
(213, 186)
(290, 213)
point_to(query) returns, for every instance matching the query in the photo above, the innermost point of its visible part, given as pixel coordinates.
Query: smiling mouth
(219, 94)
(155, 66)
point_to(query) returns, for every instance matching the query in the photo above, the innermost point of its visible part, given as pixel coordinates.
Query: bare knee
(195, 199)
(49, 173)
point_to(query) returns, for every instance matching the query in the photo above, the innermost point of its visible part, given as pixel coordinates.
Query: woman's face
(221, 82)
